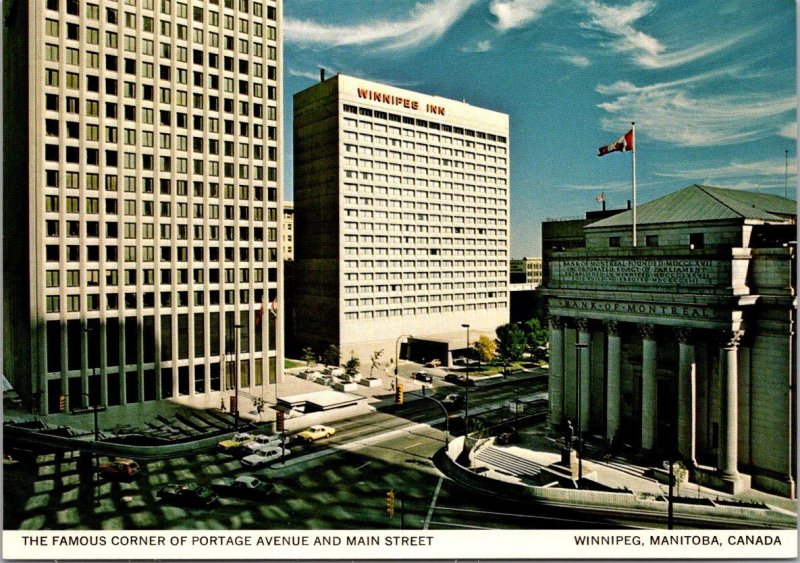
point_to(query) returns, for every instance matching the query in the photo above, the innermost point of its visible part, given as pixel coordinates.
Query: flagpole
(786, 175)
(633, 129)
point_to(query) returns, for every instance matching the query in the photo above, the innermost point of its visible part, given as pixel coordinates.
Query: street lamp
(579, 346)
(397, 355)
(236, 381)
(466, 387)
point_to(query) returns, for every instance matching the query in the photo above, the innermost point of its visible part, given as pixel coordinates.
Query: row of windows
(72, 130)
(92, 11)
(440, 189)
(146, 231)
(466, 156)
(366, 226)
(92, 181)
(366, 112)
(436, 251)
(164, 27)
(148, 277)
(91, 108)
(432, 172)
(146, 300)
(411, 311)
(72, 81)
(412, 299)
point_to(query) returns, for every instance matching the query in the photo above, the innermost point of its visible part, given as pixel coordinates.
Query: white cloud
(513, 14)
(479, 47)
(577, 60)
(789, 131)
(647, 51)
(762, 169)
(308, 74)
(569, 55)
(426, 23)
(672, 113)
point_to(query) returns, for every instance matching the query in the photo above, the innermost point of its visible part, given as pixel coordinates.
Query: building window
(651, 240)
(613, 242)
(696, 240)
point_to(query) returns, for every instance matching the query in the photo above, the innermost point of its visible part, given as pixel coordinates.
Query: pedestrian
(222, 404)
(391, 385)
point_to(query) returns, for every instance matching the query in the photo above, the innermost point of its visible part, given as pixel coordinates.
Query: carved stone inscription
(668, 272)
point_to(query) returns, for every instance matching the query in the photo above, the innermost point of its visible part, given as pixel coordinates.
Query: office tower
(142, 165)
(401, 203)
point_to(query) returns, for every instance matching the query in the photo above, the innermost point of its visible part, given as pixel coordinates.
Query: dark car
(459, 379)
(505, 435)
(187, 495)
(119, 469)
(453, 400)
(423, 376)
(244, 486)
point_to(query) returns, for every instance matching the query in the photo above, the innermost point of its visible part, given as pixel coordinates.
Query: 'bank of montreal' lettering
(635, 308)
(391, 99)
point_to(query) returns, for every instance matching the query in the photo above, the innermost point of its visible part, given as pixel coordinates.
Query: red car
(119, 469)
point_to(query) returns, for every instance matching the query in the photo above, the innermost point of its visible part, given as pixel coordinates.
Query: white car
(263, 441)
(266, 455)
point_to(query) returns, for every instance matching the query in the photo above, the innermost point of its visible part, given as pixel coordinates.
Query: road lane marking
(363, 466)
(412, 446)
(433, 503)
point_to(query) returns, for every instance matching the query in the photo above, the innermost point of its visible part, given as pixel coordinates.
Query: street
(338, 483)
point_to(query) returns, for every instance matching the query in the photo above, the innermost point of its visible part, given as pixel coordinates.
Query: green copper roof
(705, 203)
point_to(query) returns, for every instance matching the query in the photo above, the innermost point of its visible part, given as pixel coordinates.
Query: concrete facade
(526, 271)
(401, 206)
(141, 198)
(690, 335)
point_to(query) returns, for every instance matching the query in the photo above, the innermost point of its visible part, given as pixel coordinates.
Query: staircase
(504, 461)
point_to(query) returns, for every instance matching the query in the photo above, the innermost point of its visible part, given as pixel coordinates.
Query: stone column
(556, 378)
(613, 394)
(586, 376)
(687, 392)
(649, 402)
(728, 453)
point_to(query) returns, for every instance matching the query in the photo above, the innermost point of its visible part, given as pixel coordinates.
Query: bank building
(689, 335)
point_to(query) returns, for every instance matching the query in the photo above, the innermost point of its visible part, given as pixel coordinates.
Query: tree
(375, 361)
(510, 342)
(535, 334)
(308, 357)
(352, 365)
(332, 355)
(486, 348)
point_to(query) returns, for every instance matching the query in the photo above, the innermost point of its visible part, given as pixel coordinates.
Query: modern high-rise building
(141, 205)
(526, 270)
(402, 223)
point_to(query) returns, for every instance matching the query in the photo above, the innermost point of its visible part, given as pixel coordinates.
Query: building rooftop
(706, 203)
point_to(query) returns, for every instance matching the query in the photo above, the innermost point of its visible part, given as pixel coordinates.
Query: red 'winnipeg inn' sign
(391, 99)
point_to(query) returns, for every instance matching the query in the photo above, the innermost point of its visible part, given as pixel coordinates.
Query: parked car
(453, 400)
(459, 379)
(119, 469)
(238, 440)
(433, 363)
(423, 376)
(265, 455)
(187, 495)
(316, 432)
(244, 486)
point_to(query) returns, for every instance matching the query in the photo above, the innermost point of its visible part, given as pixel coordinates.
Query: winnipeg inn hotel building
(401, 204)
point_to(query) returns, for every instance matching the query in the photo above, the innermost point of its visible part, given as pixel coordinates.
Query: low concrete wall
(601, 499)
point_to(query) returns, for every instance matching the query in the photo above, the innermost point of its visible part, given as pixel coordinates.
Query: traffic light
(398, 394)
(62, 403)
(390, 503)
(279, 419)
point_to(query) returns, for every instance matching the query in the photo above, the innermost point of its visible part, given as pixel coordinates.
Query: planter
(345, 386)
(370, 382)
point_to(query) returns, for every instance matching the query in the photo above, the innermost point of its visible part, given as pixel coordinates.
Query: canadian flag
(601, 197)
(624, 143)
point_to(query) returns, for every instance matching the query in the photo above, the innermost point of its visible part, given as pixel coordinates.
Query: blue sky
(710, 84)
